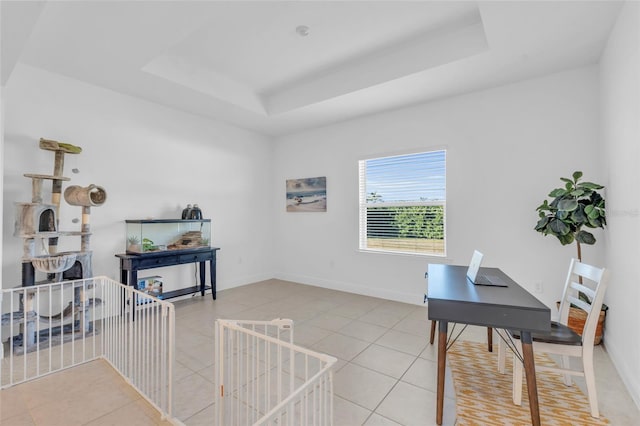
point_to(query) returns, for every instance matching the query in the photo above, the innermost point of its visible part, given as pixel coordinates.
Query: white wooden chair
(563, 341)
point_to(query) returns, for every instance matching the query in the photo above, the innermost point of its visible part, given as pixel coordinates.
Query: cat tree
(37, 223)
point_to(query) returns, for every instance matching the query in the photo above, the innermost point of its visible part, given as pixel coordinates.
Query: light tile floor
(385, 374)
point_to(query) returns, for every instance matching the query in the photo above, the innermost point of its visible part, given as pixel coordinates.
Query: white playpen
(263, 378)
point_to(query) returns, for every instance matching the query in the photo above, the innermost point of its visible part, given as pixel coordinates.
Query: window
(402, 203)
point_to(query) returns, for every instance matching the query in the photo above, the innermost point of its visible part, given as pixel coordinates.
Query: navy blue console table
(130, 264)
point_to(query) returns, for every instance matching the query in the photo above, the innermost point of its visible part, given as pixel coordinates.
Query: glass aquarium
(154, 235)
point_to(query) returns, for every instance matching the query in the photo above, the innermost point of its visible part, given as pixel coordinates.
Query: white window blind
(402, 203)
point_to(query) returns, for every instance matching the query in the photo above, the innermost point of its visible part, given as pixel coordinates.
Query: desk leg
(433, 331)
(202, 270)
(442, 363)
(530, 374)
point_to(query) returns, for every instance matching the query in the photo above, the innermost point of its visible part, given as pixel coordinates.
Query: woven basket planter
(577, 318)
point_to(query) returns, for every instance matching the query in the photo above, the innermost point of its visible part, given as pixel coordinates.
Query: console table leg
(133, 281)
(124, 276)
(202, 268)
(124, 279)
(212, 271)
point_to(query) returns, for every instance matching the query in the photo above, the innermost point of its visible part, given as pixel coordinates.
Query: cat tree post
(56, 186)
(36, 190)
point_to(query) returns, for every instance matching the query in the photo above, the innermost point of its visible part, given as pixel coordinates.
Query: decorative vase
(186, 212)
(196, 213)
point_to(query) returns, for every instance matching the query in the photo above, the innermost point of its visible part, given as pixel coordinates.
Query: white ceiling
(244, 63)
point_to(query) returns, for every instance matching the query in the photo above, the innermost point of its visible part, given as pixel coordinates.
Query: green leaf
(558, 192)
(585, 237)
(588, 208)
(577, 175)
(584, 297)
(542, 223)
(558, 227)
(565, 239)
(593, 213)
(577, 193)
(596, 199)
(594, 223)
(566, 180)
(590, 185)
(543, 206)
(578, 215)
(568, 204)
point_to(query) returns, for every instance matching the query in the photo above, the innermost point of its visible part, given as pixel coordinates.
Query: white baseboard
(626, 373)
(412, 298)
(239, 282)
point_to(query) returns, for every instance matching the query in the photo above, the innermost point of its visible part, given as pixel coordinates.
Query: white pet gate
(262, 378)
(48, 328)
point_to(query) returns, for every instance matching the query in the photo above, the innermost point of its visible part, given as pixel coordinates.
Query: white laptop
(474, 277)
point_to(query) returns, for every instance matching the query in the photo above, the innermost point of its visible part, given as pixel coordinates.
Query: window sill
(430, 257)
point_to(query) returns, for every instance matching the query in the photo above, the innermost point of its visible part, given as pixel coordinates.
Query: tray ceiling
(244, 62)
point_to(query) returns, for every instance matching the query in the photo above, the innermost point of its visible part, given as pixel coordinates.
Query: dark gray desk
(453, 298)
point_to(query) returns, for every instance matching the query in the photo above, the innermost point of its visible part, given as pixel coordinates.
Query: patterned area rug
(484, 396)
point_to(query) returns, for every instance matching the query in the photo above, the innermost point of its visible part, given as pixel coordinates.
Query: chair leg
(433, 331)
(517, 381)
(502, 356)
(590, 379)
(566, 364)
(489, 339)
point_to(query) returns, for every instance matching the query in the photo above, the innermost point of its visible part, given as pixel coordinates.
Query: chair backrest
(592, 282)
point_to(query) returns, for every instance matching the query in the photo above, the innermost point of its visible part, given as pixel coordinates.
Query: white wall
(151, 160)
(620, 85)
(506, 149)
(1, 162)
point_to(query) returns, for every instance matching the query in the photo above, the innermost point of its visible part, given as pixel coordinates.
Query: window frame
(363, 205)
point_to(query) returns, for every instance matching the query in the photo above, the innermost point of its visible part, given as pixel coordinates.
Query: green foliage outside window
(406, 222)
(420, 222)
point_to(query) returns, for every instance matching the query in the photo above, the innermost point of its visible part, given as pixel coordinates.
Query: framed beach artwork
(307, 195)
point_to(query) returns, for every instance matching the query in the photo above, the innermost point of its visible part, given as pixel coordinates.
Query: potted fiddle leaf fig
(572, 208)
(576, 206)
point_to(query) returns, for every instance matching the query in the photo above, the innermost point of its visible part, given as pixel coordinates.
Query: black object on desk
(130, 264)
(453, 298)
